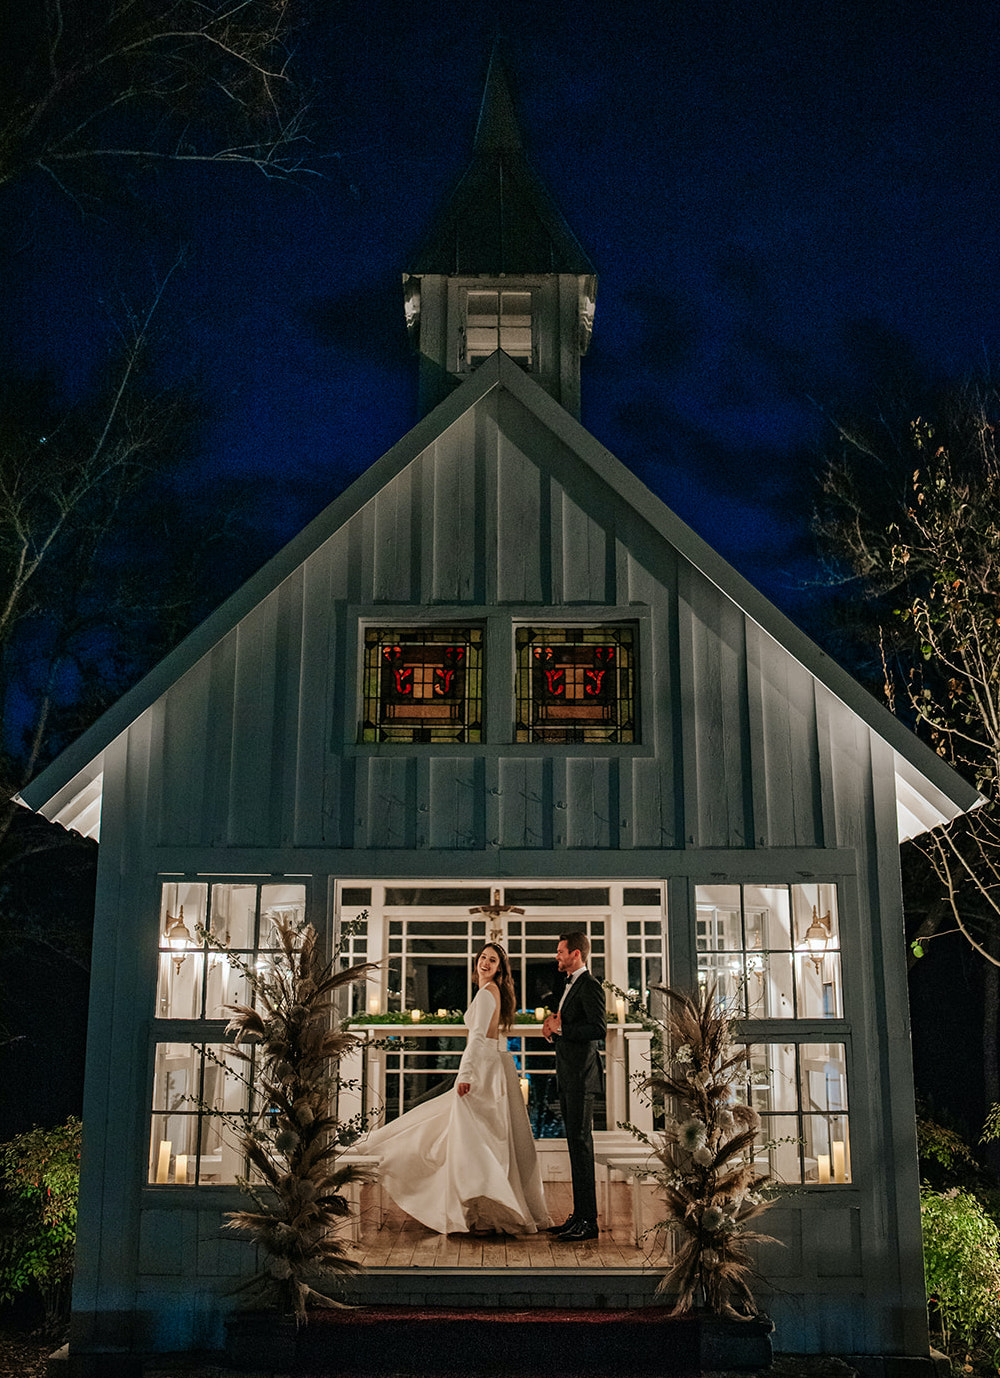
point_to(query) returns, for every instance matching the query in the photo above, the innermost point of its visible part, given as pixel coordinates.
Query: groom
(576, 1028)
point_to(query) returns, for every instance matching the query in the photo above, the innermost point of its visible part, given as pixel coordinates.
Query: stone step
(557, 1342)
(596, 1289)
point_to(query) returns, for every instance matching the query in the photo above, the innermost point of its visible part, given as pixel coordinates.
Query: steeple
(500, 268)
(497, 127)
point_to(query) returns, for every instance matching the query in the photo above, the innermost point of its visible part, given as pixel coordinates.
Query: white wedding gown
(458, 1163)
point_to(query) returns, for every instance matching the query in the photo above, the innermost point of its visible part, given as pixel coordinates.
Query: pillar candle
(373, 1004)
(525, 1089)
(620, 1009)
(540, 1013)
(416, 1016)
(181, 1168)
(163, 1160)
(839, 1161)
(823, 1166)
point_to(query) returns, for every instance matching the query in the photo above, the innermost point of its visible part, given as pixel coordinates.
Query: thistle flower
(692, 1134)
(711, 1263)
(712, 1218)
(300, 1044)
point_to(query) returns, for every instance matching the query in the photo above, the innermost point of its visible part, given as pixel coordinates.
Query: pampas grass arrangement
(710, 1185)
(292, 1137)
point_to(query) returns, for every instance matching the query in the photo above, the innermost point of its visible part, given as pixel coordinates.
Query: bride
(466, 1160)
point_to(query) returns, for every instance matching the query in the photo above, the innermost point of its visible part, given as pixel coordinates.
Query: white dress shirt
(579, 972)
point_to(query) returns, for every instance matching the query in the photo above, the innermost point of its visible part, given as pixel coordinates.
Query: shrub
(40, 1177)
(962, 1265)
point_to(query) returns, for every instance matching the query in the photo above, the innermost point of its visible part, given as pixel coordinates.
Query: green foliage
(404, 1017)
(40, 1177)
(939, 1144)
(991, 1127)
(962, 1265)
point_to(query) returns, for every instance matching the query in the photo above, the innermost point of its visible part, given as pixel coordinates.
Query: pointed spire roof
(497, 126)
(500, 218)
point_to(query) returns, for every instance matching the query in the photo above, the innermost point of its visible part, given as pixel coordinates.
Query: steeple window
(498, 319)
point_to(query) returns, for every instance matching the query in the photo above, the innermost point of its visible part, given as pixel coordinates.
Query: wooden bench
(634, 1164)
(353, 1190)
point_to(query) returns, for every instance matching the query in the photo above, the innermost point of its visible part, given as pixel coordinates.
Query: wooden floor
(403, 1243)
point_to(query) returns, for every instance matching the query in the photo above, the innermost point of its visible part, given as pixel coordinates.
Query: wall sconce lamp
(178, 937)
(816, 937)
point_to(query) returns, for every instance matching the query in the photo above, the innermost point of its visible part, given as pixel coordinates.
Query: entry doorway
(424, 935)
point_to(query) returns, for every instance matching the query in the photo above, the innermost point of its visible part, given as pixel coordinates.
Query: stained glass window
(423, 684)
(576, 684)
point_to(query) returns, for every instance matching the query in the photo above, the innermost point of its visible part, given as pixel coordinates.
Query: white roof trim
(932, 792)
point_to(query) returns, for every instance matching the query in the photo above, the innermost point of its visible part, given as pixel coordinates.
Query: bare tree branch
(923, 546)
(176, 81)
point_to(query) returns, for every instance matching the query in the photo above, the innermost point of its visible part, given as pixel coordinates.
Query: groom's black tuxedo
(580, 1078)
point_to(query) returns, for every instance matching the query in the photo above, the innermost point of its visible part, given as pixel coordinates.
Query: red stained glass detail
(574, 681)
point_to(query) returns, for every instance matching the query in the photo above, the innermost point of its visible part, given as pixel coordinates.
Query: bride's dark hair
(503, 981)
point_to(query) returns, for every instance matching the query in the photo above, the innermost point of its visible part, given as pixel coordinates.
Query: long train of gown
(458, 1163)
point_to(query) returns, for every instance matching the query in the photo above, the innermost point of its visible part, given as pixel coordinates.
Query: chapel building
(497, 689)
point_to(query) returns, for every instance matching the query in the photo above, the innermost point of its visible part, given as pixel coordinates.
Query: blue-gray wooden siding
(258, 740)
(743, 754)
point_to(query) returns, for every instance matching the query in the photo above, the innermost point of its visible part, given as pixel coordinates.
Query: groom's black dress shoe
(577, 1231)
(558, 1229)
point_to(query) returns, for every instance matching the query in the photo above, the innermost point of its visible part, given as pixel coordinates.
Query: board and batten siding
(747, 768)
(259, 741)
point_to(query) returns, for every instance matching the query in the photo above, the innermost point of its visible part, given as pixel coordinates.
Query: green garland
(404, 1018)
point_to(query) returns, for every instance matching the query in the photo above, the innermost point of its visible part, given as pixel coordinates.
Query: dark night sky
(782, 201)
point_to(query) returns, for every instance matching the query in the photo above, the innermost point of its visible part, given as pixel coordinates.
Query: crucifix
(493, 912)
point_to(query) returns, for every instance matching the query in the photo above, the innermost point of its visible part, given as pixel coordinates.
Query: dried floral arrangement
(291, 1134)
(710, 1185)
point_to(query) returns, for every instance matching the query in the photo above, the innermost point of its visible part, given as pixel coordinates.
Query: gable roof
(928, 791)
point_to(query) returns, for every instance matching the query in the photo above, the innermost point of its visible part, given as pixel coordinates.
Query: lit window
(498, 319)
(575, 684)
(196, 980)
(201, 1088)
(200, 1092)
(422, 685)
(800, 1092)
(772, 951)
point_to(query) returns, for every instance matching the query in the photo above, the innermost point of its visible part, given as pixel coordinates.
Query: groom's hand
(463, 1088)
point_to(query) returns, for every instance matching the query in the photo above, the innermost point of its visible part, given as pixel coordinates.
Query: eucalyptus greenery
(710, 1185)
(291, 1135)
